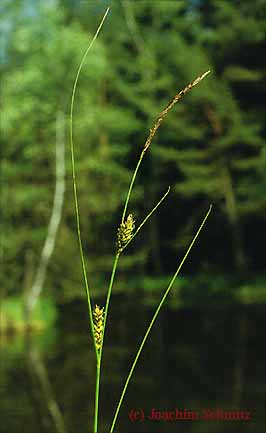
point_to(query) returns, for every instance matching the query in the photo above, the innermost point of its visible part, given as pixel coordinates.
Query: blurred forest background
(210, 149)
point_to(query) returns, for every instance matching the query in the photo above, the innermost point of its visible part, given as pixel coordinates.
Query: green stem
(118, 253)
(98, 366)
(147, 217)
(153, 320)
(74, 179)
(99, 353)
(97, 393)
(131, 184)
(108, 299)
(97, 386)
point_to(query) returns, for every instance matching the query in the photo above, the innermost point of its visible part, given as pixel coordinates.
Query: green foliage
(13, 318)
(209, 149)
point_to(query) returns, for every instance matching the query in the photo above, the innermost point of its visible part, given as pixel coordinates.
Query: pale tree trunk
(37, 286)
(43, 391)
(36, 365)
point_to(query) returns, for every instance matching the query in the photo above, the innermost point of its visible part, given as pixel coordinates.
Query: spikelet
(98, 314)
(164, 113)
(125, 232)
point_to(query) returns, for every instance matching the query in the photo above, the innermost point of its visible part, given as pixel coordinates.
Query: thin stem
(131, 185)
(108, 299)
(154, 318)
(98, 366)
(97, 393)
(116, 264)
(99, 353)
(147, 217)
(74, 177)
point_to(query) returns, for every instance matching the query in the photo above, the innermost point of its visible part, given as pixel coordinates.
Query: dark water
(195, 360)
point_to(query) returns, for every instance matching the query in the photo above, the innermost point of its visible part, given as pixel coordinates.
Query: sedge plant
(125, 234)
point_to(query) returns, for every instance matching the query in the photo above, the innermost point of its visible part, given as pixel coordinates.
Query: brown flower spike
(164, 113)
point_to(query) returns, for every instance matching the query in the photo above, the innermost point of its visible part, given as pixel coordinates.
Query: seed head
(98, 316)
(125, 232)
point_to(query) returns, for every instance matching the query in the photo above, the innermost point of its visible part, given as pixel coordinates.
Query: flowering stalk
(97, 351)
(74, 177)
(126, 233)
